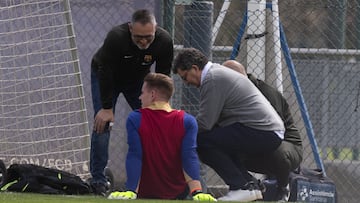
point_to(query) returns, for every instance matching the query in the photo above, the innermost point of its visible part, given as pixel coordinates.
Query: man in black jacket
(288, 155)
(119, 66)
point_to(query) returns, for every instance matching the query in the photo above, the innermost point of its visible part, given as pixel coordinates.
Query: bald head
(236, 66)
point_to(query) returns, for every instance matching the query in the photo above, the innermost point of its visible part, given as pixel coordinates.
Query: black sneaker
(261, 186)
(99, 189)
(256, 184)
(283, 194)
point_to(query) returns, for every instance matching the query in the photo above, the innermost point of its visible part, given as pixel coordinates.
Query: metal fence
(324, 41)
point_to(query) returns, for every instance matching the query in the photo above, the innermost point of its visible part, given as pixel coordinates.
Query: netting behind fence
(42, 107)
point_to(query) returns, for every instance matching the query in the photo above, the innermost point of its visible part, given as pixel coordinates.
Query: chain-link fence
(323, 38)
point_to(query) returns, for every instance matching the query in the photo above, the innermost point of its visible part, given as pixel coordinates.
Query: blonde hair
(161, 82)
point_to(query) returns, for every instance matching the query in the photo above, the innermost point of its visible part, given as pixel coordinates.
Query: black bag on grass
(38, 179)
(310, 185)
(3, 172)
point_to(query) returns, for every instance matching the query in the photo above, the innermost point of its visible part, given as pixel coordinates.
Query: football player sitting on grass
(162, 161)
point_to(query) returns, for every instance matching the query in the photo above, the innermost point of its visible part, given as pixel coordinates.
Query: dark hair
(161, 82)
(188, 57)
(143, 16)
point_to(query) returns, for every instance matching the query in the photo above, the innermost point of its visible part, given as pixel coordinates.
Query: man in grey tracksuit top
(234, 120)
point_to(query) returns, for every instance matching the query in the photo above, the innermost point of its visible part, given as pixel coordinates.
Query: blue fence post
(300, 99)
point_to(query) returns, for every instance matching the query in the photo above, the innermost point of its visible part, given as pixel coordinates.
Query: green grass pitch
(14, 197)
